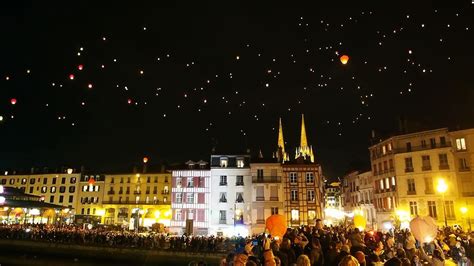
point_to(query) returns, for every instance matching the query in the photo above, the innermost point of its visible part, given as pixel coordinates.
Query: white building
(231, 195)
(366, 203)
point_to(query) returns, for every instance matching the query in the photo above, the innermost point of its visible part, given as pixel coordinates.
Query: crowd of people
(304, 246)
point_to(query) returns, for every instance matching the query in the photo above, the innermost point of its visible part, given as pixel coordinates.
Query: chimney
(32, 170)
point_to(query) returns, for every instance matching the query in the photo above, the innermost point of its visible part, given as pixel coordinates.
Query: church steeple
(280, 154)
(281, 141)
(303, 140)
(304, 150)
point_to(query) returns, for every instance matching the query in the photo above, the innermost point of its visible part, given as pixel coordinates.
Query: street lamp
(442, 188)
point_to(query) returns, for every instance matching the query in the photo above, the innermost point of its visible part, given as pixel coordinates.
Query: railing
(143, 202)
(222, 183)
(239, 201)
(260, 221)
(266, 179)
(443, 166)
(260, 198)
(137, 192)
(409, 170)
(110, 192)
(239, 183)
(222, 200)
(468, 194)
(222, 221)
(120, 192)
(464, 169)
(426, 168)
(411, 192)
(274, 198)
(165, 192)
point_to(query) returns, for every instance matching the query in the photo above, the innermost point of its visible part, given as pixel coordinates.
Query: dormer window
(224, 162)
(240, 162)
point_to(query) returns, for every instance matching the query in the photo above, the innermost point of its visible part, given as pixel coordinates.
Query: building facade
(190, 199)
(90, 196)
(137, 199)
(407, 171)
(267, 193)
(303, 185)
(366, 198)
(54, 188)
(231, 184)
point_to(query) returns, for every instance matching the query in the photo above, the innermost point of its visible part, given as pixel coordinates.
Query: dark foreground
(15, 252)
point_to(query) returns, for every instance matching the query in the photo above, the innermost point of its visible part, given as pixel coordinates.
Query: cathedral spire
(281, 141)
(303, 141)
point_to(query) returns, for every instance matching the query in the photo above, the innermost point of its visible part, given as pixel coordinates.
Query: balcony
(222, 221)
(223, 200)
(120, 192)
(239, 201)
(409, 170)
(422, 148)
(222, 183)
(260, 198)
(266, 179)
(426, 168)
(468, 194)
(260, 221)
(137, 192)
(110, 192)
(239, 183)
(274, 198)
(143, 202)
(165, 192)
(411, 192)
(464, 169)
(444, 167)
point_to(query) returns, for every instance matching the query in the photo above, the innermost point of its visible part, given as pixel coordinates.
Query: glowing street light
(442, 188)
(463, 210)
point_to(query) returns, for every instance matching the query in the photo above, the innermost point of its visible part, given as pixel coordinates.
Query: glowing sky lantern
(129, 101)
(89, 86)
(71, 76)
(344, 59)
(13, 101)
(145, 159)
(276, 225)
(80, 67)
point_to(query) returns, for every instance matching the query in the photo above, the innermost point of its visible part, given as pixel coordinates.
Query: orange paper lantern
(276, 225)
(424, 229)
(359, 222)
(145, 159)
(344, 59)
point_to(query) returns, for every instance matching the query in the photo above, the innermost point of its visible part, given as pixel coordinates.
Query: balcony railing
(468, 194)
(143, 202)
(426, 168)
(137, 192)
(239, 183)
(274, 198)
(408, 169)
(443, 166)
(266, 179)
(222, 183)
(222, 221)
(260, 198)
(411, 192)
(110, 192)
(165, 192)
(464, 169)
(260, 221)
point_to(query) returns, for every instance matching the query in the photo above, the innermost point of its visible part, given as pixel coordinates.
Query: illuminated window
(44, 189)
(295, 215)
(293, 178)
(390, 147)
(224, 162)
(387, 183)
(310, 195)
(190, 182)
(85, 188)
(53, 189)
(461, 144)
(384, 150)
(179, 197)
(178, 215)
(190, 198)
(240, 163)
(178, 182)
(381, 184)
(393, 181)
(23, 181)
(311, 215)
(191, 214)
(413, 208)
(137, 199)
(294, 195)
(309, 178)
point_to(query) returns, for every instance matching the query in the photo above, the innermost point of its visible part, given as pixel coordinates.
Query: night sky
(172, 80)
